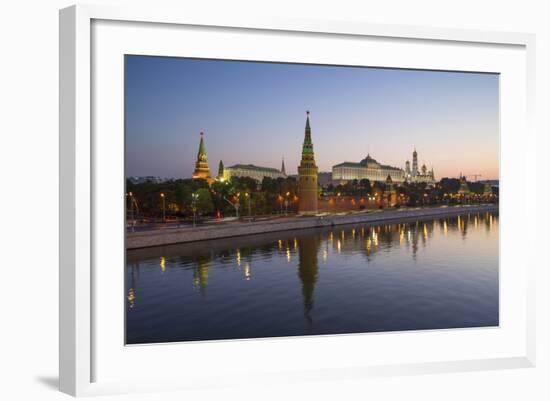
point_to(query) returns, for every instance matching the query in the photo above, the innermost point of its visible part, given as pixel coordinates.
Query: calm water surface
(420, 275)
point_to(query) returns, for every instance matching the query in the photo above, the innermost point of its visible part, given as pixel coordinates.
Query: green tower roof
(202, 150)
(307, 148)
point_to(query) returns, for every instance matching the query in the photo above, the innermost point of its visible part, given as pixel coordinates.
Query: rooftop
(254, 168)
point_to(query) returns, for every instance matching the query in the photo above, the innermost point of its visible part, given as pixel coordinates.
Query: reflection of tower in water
(200, 273)
(134, 277)
(308, 270)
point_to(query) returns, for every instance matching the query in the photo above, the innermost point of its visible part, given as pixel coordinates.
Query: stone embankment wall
(225, 230)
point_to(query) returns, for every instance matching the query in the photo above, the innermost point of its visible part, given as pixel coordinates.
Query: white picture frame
(79, 214)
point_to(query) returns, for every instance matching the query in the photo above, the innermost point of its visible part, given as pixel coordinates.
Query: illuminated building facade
(249, 170)
(307, 176)
(369, 169)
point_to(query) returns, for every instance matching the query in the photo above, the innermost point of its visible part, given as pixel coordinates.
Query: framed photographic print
(289, 199)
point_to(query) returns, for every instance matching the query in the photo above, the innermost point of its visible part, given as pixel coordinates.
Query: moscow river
(428, 274)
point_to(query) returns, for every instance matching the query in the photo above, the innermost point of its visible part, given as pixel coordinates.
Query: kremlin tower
(307, 172)
(202, 171)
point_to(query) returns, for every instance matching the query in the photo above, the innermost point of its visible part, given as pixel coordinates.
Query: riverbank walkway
(146, 239)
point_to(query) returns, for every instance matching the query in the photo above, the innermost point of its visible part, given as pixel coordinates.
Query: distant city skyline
(254, 113)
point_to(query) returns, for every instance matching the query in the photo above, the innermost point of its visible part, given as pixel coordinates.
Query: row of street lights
(235, 203)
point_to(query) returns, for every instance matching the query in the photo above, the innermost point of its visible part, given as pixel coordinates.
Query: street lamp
(132, 209)
(235, 204)
(194, 198)
(163, 207)
(286, 203)
(249, 200)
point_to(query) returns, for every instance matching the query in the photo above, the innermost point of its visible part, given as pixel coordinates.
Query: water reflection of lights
(162, 263)
(445, 228)
(280, 244)
(375, 238)
(325, 255)
(353, 233)
(131, 297)
(339, 246)
(238, 257)
(295, 244)
(288, 254)
(247, 271)
(425, 231)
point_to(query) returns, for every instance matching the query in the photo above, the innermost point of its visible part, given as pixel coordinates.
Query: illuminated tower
(307, 172)
(487, 189)
(220, 170)
(464, 189)
(415, 163)
(202, 171)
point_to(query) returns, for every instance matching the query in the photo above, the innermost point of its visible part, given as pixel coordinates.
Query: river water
(434, 274)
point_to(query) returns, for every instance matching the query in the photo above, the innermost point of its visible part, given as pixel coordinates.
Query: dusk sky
(254, 113)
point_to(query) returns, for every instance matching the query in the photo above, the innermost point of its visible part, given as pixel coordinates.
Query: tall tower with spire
(307, 173)
(202, 171)
(414, 172)
(220, 170)
(283, 167)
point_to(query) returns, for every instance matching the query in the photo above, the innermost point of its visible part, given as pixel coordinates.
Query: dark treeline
(273, 195)
(219, 199)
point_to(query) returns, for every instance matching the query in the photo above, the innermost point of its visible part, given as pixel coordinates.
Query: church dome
(369, 162)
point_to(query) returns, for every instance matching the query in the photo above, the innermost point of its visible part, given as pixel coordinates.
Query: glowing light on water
(131, 297)
(238, 257)
(162, 263)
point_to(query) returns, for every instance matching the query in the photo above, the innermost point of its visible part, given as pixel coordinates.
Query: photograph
(274, 199)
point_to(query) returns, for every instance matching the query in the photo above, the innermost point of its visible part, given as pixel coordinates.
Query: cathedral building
(202, 171)
(307, 175)
(415, 175)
